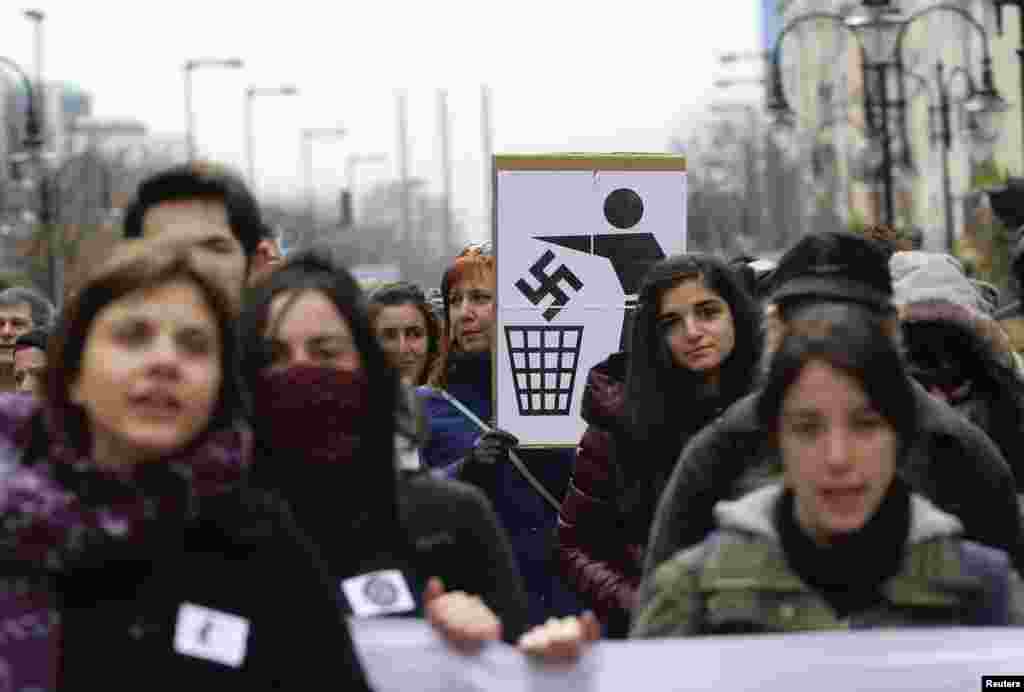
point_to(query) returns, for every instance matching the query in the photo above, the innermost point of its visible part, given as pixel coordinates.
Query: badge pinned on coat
(378, 593)
(211, 635)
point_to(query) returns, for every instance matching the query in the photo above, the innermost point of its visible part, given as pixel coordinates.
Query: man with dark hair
(21, 310)
(952, 462)
(30, 360)
(210, 209)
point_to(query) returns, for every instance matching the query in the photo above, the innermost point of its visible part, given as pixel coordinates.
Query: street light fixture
(733, 57)
(37, 17)
(878, 25)
(980, 127)
(55, 267)
(726, 82)
(189, 67)
(251, 93)
(726, 108)
(33, 126)
(985, 106)
(879, 29)
(31, 157)
(307, 135)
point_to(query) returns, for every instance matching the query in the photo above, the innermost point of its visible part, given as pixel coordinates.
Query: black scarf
(850, 572)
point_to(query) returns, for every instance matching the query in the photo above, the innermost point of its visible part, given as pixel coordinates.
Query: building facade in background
(92, 167)
(832, 123)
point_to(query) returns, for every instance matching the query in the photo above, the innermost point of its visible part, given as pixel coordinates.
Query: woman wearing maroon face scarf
(324, 403)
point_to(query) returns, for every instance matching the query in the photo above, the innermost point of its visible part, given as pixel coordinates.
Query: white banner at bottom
(402, 654)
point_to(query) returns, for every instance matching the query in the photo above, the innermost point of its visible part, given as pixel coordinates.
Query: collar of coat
(747, 556)
(753, 513)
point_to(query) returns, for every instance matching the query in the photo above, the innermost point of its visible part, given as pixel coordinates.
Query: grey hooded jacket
(738, 580)
(952, 463)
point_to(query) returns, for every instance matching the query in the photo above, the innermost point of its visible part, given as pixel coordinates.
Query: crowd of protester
(215, 456)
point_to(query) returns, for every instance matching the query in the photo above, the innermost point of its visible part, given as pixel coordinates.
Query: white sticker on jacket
(211, 635)
(378, 593)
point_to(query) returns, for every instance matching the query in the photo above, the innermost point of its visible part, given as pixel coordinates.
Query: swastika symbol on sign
(549, 284)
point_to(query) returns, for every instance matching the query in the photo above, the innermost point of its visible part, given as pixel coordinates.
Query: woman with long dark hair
(695, 350)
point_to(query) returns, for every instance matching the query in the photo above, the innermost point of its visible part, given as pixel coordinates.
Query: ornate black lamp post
(879, 29)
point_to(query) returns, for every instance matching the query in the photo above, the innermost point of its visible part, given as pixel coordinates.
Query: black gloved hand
(491, 449)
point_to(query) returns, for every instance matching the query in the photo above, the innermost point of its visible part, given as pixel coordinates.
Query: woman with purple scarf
(133, 554)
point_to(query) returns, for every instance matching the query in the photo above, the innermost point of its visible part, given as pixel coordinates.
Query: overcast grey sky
(565, 75)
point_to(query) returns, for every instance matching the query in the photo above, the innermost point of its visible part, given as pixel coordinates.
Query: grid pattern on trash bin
(543, 360)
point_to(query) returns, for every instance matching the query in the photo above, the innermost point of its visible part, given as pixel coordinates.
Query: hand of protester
(464, 621)
(561, 641)
(492, 448)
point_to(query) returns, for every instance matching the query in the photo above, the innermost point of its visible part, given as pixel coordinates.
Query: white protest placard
(401, 654)
(574, 235)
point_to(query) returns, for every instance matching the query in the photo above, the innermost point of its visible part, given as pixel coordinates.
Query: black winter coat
(169, 581)
(456, 537)
(126, 621)
(443, 529)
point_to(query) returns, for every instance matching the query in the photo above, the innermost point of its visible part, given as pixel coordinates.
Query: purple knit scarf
(63, 512)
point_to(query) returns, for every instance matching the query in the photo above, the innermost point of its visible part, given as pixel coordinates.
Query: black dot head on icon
(623, 208)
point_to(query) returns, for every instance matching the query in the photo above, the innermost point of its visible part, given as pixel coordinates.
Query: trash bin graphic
(544, 361)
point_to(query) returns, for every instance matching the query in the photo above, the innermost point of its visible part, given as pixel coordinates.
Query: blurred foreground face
(471, 310)
(203, 226)
(29, 364)
(838, 452)
(402, 332)
(150, 374)
(15, 320)
(306, 329)
(698, 327)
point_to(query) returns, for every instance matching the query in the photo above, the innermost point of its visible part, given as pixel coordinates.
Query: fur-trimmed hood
(921, 276)
(931, 287)
(971, 323)
(754, 514)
